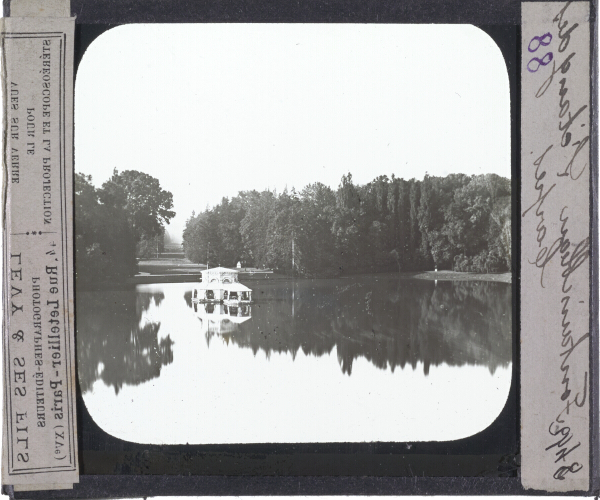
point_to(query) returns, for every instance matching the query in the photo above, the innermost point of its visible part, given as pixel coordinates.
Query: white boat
(221, 285)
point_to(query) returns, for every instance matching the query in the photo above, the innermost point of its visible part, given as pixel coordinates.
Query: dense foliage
(116, 223)
(454, 222)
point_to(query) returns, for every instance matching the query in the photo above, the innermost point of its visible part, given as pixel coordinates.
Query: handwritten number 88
(535, 43)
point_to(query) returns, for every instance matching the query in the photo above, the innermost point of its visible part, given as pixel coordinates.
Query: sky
(211, 110)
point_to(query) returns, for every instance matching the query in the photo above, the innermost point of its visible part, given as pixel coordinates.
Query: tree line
(456, 222)
(117, 223)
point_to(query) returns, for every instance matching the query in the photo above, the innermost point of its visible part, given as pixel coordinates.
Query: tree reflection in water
(390, 322)
(112, 342)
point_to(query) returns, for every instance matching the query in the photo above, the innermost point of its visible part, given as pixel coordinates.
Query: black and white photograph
(293, 233)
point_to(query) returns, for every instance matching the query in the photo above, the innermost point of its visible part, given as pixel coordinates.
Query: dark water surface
(388, 321)
(367, 358)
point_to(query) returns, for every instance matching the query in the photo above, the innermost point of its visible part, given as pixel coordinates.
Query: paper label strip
(555, 246)
(40, 425)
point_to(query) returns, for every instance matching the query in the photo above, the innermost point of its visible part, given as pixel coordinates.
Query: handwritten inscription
(555, 235)
(565, 31)
(535, 43)
(544, 256)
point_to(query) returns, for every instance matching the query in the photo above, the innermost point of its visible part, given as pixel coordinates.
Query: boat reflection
(221, 319)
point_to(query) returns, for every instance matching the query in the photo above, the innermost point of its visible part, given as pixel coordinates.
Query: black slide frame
(487, 463)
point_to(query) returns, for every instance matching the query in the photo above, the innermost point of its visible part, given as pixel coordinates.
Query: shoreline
(182, 271)
(150, 279)
(460, 276)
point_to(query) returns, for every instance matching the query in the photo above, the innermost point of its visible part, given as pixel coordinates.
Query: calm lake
(365, 358)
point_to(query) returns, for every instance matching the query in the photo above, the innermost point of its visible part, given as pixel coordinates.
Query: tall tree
(314, 236)
(124, 216)
(255, 224)
(147, 205)
(346, 224)
(104, 243)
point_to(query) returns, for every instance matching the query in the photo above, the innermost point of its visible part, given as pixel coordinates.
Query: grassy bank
(173, 270)
(460, 276)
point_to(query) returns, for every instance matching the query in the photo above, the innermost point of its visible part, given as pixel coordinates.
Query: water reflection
(389, 322)
(392, 323)
(114, 341)
(220, 319)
